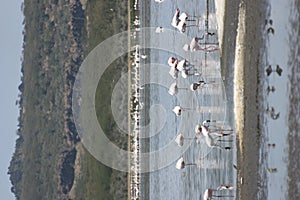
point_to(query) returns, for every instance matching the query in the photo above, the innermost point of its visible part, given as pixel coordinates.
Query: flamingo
(185, 67)
(180, 66)
(203, 109)
(172, 62)
(180, 139)
(210, 141)
(173, 72)
(177, 110)
(194, 46)
(212, 123)
(180, 164)
(159, 29)
(225, 187)
(196, 85)
(206, 124)
(208, 121)
(173, 89)
(179, 20)
(208, 194)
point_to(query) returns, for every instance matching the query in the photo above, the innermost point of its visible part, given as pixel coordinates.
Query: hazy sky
(11, 19)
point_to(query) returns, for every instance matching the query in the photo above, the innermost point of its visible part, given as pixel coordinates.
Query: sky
(11, 38)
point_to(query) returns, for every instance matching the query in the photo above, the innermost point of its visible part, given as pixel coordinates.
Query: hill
(49, 161)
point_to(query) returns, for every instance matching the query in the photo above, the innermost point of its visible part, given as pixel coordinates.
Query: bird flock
(209, 131)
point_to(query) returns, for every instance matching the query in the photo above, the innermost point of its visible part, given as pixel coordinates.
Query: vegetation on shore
(43, 163)
(105, 18)
(49, 161)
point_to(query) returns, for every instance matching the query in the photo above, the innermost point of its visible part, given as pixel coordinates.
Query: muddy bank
(246, 85)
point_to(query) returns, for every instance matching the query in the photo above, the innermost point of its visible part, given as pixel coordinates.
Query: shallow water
(278, 50)
(216, 166)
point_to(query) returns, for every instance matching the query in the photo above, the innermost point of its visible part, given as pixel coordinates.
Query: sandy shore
(246, 74)
(240, 43)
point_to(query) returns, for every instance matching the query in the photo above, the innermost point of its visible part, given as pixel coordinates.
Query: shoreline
(145, 10)
(128, 103)
(246, 91)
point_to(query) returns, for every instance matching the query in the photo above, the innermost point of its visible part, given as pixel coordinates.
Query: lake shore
(246, 89)
(241, 43)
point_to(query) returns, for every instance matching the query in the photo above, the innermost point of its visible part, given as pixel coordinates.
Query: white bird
(207, 122)
(136, 22)
(173, 89)
(196, 85)
(144, 56)
(209, 139)
(194, 46)
(159, 1)
(178, 66)
(180, 164)
(199, 129)
(180, 139)
(184, 74)
(225, 187)
(182, 65)
(208, 194)
(177, 110)
(173, 62)
(159, 29)
(179, 20)
(214, 131)
(173, 72)
(212, 125)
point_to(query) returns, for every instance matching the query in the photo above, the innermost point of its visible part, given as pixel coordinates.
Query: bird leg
(225, 140)
(222, 195)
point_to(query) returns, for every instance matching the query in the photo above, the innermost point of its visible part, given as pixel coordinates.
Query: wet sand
(241, 44)
(246, 85)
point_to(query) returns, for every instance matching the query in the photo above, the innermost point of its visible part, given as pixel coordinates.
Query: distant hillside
(49, 161)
